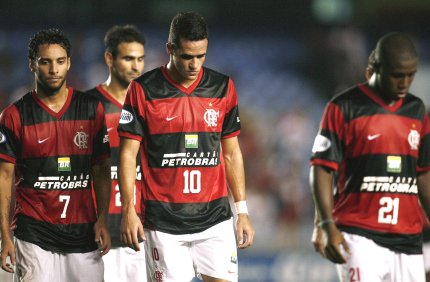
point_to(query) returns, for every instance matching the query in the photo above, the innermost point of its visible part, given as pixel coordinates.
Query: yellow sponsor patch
(394, 164)
(64, 164)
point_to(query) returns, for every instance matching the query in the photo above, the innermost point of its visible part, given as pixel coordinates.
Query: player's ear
(170, 48)
(108, 58)
(31, 65)
(369, 72)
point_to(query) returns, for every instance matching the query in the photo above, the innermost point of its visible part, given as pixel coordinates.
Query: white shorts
(371, 262)
(125, 264)
(212, 252)
(38, 265)
(426, 253)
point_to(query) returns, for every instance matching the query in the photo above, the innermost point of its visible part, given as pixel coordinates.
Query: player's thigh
(214, 251)
(83, 267)
(408, 268)
(125, 264)
(367, 261)
(168, 257)
(35, 264)
(426, 254)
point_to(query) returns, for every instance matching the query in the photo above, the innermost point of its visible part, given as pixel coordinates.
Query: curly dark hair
(122, 33)
(48, 36)
(187, 25)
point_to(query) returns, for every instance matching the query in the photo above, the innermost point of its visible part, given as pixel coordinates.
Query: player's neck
(176, 76)
(54, 100)
(115, 89)
(380, 92)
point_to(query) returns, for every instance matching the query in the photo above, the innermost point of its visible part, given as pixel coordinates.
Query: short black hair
(48, 36)
(119, 34)
(187, 25)
(392, 47)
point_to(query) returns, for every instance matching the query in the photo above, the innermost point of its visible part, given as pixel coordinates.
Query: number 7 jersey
(53, 153)
(377, 151)
(184, 181)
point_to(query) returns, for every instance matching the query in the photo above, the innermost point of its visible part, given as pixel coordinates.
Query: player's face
(188, 60)
(128, 64)
(50, 68)
(395, 79)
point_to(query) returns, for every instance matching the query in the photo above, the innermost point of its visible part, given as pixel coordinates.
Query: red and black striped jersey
(53, 154)
(184, 181)
(112, 112)
(377, 151)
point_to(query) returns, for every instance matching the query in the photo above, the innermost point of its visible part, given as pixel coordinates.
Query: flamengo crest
(211, 117)
(81, 140)
(414, 139)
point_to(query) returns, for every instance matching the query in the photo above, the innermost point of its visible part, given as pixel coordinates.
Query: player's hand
(102, 236)
(335, 241)
(131, 230)
(7, 250)
(245, 232)
(318, 240)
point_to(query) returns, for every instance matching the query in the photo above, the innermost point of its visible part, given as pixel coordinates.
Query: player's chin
(53, 84)
(400, 95)
(132, 77)
(192, 74)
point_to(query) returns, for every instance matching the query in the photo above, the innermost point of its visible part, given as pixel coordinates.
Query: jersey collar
(108, 96)
(372, 95)
(187, 90)
(60, 113)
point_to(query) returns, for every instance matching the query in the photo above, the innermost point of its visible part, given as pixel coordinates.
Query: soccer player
(54, 141)
(124, 57)
(185, 119)
(373, 143)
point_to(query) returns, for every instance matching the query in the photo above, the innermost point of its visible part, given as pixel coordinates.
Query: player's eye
(186, 57)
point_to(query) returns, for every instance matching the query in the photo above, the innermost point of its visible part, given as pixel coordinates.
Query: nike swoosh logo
(109, 129)
(171, 118)
(43, 140)
(372, 137)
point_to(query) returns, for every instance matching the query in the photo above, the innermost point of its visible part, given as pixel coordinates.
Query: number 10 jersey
(184, 181)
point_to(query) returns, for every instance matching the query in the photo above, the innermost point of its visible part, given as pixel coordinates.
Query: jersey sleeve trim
(130, 136)
(331, 165)
(7, 158)
(231, 135)
(423, 169)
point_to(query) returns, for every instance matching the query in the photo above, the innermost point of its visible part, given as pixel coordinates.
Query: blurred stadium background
(287, 59)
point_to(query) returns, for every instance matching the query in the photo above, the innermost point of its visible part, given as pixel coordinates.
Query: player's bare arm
(7, 246)
(423, 181)
(102, 186)
(321, 180)
(236, 182)
(131, 226)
